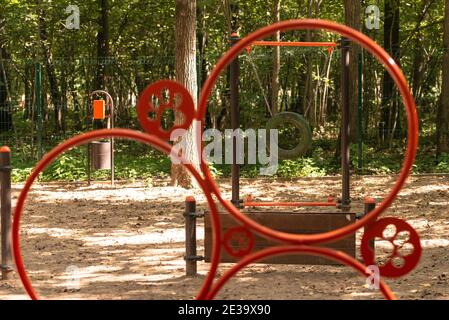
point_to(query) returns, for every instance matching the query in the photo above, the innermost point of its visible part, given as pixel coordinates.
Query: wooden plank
(296, 222)
(292, 221)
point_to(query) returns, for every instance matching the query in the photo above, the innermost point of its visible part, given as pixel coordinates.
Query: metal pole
(345, 199)
(39, 118)
(369, 206)
(234, 69)
(360, 116)
(5, 181)
(111, 114)
(88, 144)
(190, 228)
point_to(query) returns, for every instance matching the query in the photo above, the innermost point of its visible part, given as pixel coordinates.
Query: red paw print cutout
(159, 97)
(401, 261)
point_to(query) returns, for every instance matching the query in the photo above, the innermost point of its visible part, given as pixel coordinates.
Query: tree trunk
(5, 112)
(443, 106)
(185, 43)
(102, 46)
(309, 112)
(276, 61)
(28, 87)
(390, 112)
(352, 19)
(49, 66)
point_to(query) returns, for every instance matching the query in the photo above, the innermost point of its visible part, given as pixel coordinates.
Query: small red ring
(239, 252)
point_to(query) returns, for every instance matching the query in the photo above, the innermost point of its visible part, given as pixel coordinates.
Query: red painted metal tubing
(109, 133)
(294, 44)
(396, 74)
(289, 204)
(209, 187)
(282, 250)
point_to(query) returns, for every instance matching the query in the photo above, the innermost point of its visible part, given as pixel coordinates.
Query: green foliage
(70, 166)
(142, 50)
(443, 163)
(300, 168)
(20, 174)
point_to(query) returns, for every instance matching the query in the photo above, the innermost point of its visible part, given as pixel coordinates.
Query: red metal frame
(337, 256)
(152, 140)
(289, 243)
(289, 204)
(294, 44)
(249, 202)
(396, 74)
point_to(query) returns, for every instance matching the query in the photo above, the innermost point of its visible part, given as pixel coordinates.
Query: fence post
(190, 226)
(5, 197)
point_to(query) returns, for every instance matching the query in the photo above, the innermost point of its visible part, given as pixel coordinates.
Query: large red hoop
(396, 74)
(109, 133)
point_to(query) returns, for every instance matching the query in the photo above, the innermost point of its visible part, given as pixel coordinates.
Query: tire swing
(299, 123)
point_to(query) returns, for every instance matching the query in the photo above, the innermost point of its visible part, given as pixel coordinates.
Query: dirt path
(128, 243)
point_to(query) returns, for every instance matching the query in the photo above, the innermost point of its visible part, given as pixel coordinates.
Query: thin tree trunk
(5, 96)
(443, 106)
(276, 61)
(391, 44)
(49, 66)
(352, 19)
(28, 87)
(324, 98)
(102, 46)
(308, 92)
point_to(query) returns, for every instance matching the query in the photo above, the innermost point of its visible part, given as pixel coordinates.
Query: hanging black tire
(301, 124)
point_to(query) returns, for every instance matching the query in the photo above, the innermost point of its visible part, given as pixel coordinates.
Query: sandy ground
(127, 242)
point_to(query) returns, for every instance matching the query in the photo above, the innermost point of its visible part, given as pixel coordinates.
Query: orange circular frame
(151, 140)
(292, 243)
(396, 74)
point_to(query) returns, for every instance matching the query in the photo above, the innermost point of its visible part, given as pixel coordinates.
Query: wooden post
(370, 204)
(190, 226)
(5, 197)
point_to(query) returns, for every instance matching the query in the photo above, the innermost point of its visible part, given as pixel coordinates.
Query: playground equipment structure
(100, 154)
(222, 238)
(234, 71)
(292, 222)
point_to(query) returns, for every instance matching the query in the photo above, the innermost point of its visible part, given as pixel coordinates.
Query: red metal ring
(241, 251)
(396, 74)
(376, 230)
(282, 250)
(144, 106)
(84, 138)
